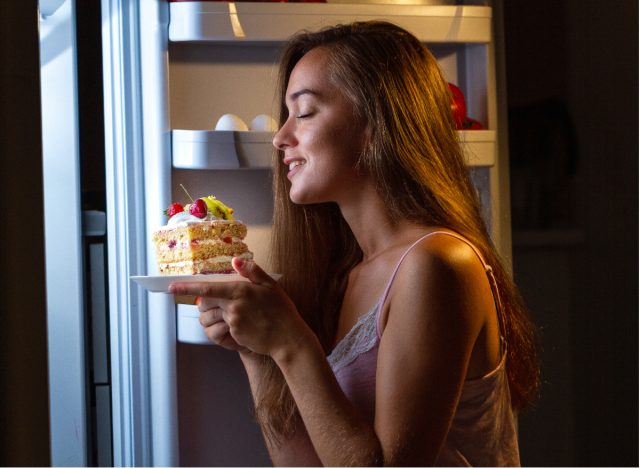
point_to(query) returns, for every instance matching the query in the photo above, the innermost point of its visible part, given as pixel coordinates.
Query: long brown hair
(416, 161)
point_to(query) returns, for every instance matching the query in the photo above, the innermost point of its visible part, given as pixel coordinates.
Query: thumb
(250, 270)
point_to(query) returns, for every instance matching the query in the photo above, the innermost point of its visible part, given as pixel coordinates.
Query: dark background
(572, 90)
(572, 94)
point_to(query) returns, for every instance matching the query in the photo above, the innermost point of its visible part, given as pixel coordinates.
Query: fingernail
(197, 301)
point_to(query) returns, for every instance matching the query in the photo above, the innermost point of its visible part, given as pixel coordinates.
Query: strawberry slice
(173, 209)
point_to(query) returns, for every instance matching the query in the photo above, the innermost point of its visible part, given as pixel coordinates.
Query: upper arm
(434, 317)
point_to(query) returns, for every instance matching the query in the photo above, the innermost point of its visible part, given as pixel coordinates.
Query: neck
(368, 217)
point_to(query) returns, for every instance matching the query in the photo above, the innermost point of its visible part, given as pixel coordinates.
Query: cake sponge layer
(201, 267)
(200, 247)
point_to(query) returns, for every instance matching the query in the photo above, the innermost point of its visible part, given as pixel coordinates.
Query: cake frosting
(202, 242)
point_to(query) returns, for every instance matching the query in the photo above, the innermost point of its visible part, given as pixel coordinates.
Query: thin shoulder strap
(489, 271)
(395, 271)
(487, 268)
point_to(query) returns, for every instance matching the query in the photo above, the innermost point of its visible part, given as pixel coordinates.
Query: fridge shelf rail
(274, 22)
(220, 150)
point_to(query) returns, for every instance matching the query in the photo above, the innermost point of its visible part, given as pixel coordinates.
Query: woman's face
(321, 139)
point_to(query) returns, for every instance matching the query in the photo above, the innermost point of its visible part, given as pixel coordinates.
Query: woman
(387, 268)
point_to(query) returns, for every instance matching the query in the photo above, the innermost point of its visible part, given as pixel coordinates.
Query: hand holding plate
(255, 315)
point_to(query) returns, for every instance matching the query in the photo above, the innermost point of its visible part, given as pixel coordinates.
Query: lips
(294, 165)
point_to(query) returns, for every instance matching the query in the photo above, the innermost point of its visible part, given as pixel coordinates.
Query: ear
(367, 136)
(365, 148)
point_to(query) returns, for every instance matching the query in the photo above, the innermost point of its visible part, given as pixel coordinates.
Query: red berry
(173, 209)
(470, 124)
(198, 208)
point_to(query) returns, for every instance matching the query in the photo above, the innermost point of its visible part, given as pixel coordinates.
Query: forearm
(339, 435)
(297, 451)
(252, 366)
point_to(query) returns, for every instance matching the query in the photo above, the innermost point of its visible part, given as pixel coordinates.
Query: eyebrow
(297, 94)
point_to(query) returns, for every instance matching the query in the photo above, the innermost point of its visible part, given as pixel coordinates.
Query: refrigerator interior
(207, 80)
(214, 403)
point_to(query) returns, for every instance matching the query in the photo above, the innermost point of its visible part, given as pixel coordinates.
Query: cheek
(347, 149)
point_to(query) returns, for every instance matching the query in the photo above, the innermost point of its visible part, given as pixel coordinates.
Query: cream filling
(218, 259)
(193, 220)
(185, 245)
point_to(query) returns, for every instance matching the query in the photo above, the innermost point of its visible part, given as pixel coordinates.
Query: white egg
(263, 123)
(231, 122)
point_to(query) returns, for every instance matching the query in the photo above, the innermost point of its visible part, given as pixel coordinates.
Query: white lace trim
(360, 339)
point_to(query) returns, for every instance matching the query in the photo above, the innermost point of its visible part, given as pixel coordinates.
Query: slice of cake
(200, 238)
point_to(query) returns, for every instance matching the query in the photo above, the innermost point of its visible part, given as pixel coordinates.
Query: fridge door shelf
(206, 149)
(188, 327)
(479, 147)
(274, 22)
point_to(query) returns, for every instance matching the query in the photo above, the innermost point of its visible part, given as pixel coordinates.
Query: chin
(305, 198)
(299, 200)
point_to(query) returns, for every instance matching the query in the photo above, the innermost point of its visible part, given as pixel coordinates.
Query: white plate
(161, 283)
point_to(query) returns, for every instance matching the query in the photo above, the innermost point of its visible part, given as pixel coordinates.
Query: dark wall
(572, 80)
(24, 421)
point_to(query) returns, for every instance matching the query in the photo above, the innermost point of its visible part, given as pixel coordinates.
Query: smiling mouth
(295, 164)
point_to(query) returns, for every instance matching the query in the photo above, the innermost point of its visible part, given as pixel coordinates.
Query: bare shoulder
(442, 272)
(441, 254)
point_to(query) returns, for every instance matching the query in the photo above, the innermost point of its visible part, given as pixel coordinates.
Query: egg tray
(220, 149)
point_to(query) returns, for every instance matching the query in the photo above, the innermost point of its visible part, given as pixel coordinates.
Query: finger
(229, 343)
(222, 290)
(219, 335)
(210, 316)
(211, 303)
(250, 270)
(218, 332)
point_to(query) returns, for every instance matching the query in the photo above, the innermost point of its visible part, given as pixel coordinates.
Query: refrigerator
(132, 379)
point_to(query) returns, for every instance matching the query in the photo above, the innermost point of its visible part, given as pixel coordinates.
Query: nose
(284, 138)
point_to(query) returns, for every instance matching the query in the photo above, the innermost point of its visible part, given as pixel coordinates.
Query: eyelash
(304, 116)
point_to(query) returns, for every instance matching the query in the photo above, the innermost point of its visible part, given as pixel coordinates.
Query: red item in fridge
(458, 106)
(470, 124)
